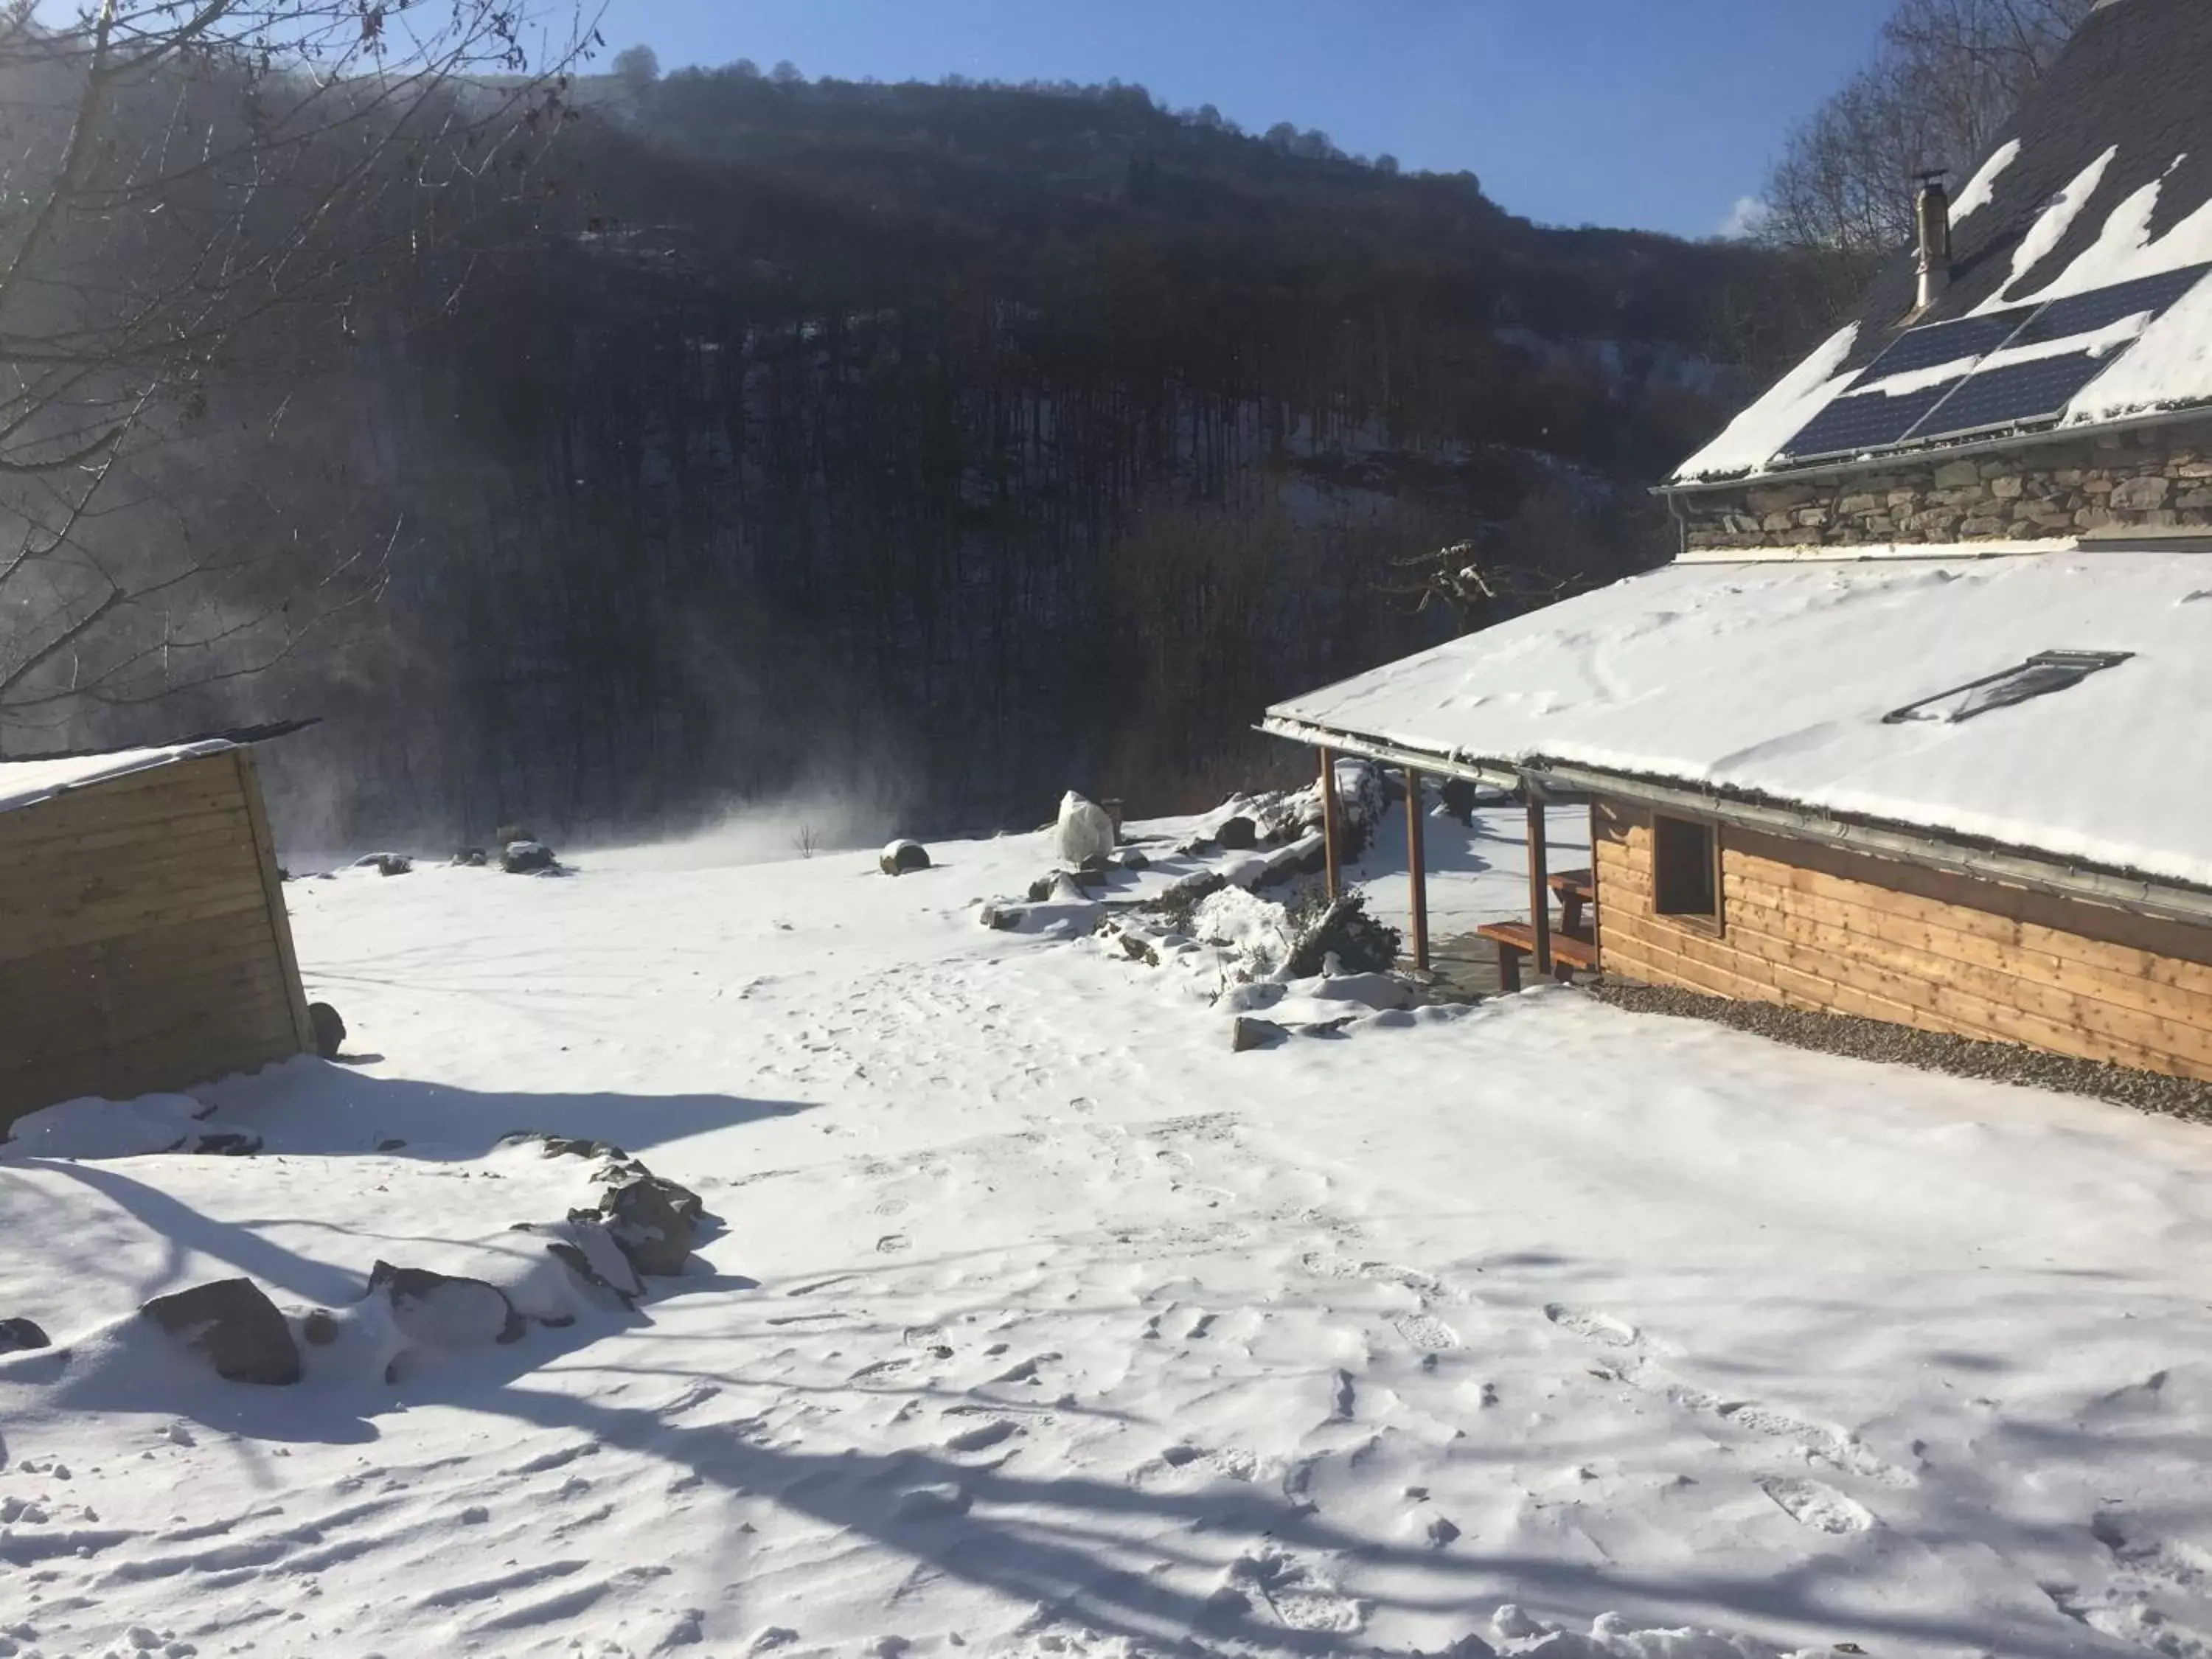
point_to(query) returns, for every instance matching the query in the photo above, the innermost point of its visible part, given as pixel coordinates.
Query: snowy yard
(1040, 1322)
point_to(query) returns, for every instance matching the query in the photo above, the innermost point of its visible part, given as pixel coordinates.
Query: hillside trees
(1947, 76)
(963, 443)
(201, 206)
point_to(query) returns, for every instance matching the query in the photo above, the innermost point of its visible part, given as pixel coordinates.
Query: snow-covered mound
(109, 1129)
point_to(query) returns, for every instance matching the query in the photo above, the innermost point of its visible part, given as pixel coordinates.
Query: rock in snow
(525, 858)
(235, 1326)
(902, 857)
(1248, 1033)
(647, 1217)
(439, 1311)
(330, 1030)
(18, 1334)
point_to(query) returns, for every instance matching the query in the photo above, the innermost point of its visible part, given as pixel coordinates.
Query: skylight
(2040, 676)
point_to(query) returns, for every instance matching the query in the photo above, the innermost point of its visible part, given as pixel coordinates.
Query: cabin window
(1685, 876)
(2040, 675)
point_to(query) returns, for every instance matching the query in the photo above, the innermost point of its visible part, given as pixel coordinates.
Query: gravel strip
(1930, 1051)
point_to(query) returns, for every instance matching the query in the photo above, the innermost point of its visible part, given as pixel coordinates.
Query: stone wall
(2157, 479)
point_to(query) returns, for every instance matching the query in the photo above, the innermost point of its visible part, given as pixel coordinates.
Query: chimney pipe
(1932, 217)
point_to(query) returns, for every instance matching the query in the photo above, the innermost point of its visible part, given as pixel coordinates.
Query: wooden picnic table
(1577, 891)
(1518, 940)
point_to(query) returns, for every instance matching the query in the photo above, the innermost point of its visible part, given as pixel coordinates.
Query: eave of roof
(1985, 860)
(1936, 454)
(1775, 680)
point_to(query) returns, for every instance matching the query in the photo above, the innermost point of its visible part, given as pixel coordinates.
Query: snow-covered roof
(24, 782)
(1774, 681)
(2104, 178)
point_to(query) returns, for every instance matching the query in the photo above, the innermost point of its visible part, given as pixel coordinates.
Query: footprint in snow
(942, 1502)
(1273, 1585)
(891, 1243)
(1344, 1397)
(982, 1437)
(1425, 1332)
(1324, 1266)
(1831, 1445)
(1026, 1371)
(1598, 1327)
(1815, 1505)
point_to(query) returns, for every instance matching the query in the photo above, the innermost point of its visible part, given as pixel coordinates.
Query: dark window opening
(1685, 869)
(2040, 676)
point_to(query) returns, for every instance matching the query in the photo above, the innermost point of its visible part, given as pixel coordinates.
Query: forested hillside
(943, 445)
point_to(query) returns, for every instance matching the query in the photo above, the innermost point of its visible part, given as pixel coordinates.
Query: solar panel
(1851, 425)
(2085, 313)
(2013, 395)
(1945, 343)
(1984, 398)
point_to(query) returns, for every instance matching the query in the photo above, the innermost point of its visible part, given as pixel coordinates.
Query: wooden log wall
(144, 943)
(1811, 928)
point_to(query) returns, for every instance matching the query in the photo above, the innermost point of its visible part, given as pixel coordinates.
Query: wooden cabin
(1918, 724)
(143, 940)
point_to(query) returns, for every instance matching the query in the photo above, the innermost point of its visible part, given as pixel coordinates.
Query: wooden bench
(1577, 891)
(1517, 939)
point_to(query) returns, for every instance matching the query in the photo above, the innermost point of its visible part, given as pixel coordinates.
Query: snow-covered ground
(1040, 1322)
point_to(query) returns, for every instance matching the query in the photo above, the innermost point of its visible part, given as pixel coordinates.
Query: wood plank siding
(143, 942)
(1813, 927)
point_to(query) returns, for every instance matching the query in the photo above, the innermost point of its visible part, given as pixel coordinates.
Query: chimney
(1932, 215)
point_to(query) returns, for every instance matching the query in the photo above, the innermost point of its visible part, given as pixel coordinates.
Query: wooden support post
(1328, 831)
(1539, 882)
(1417, 868)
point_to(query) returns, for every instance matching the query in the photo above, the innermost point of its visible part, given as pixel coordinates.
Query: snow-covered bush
(1256, 931)
(1342, 929)
(1085, 830)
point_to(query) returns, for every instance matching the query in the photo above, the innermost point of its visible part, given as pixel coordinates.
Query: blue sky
(1661, 113)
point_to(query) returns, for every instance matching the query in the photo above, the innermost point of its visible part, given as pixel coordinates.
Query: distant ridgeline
(981, 442)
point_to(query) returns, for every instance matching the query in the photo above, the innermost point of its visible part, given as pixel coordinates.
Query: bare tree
(1948, 74)
(1476, 589)
(192, 191)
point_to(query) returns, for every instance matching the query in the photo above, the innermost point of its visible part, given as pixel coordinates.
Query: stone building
(1919, 725)
(2040, 367)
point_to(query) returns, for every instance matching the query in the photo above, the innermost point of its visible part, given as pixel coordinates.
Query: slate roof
(2123, 121)
(2137, 79)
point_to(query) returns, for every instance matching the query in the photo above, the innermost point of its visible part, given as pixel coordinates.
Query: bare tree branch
(196, 190)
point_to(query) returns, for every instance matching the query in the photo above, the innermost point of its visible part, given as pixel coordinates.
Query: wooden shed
(143, 940)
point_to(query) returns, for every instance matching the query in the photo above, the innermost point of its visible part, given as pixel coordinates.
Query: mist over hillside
(942, 447)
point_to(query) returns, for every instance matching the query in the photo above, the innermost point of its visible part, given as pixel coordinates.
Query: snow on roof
(25, 782)
(2105, 177)
(2051, 225)
(1752, 439)
(1981, 189)
(2171, 364)
(1774, 680)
